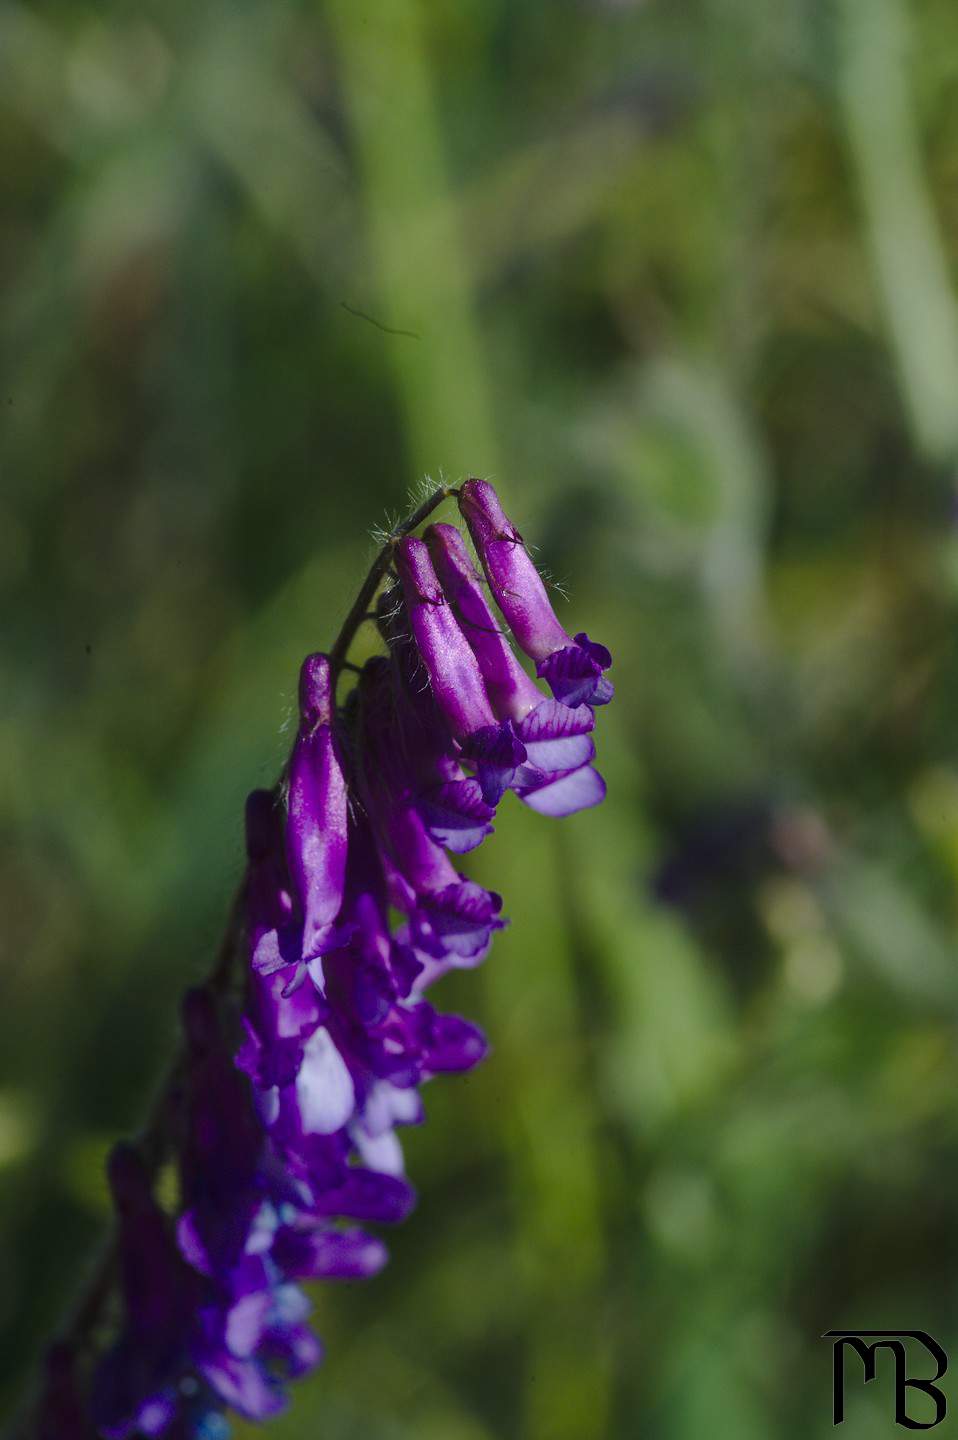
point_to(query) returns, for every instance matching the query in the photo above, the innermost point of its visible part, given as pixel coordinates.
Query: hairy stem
(360, 610)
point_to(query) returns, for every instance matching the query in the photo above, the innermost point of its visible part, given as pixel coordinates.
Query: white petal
(387, 1105)
(324, 1087)
(384, 1153)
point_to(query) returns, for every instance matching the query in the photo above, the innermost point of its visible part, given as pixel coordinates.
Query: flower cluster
(288, 1144)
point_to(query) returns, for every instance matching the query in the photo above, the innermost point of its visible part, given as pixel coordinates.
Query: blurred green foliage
(678, 276)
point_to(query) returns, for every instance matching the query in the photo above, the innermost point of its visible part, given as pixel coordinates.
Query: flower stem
(360, 610)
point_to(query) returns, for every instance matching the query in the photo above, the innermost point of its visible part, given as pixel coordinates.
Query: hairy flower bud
(455, 676)
(572, 666)
(511, 691)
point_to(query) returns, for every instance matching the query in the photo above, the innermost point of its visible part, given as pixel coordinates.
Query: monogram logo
(893, 1340)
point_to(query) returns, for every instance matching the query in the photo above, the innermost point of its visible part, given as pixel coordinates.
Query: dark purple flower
(365, 1195)
(421, 879)
(251, 1336)
(220, 1159)
(135, 1384)
(575, 673)
(312, 1253)
(275, 934)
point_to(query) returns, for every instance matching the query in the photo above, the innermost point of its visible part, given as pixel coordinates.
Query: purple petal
(275, 949)
(450, 1043)
(456, 815)
(328, 1254)
(243, 1384)
(368, 1195)
(299, 1350)
(406, 967)
(557, 737)
(457, 921)
(565, 794)
(574, 673)
(496, 752)
(446, 653)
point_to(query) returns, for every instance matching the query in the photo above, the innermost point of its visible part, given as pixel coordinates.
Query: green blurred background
(678, 276)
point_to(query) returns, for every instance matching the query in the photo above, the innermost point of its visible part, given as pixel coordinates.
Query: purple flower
(220, 1159)
(511, 692)
(450, 803)
(454, 674)
(574, 673)
(277, 1023)
(421, 879)
(312, 1253)
(455, 814)
(135, 1384)
(316, 818)
(556, 738)
(275, 936)
(573, 667)
(365, 1195)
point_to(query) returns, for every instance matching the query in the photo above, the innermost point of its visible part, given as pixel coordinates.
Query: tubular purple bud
(510, 689)
(316, 814)
(572, 666)
(513, 578)
(452, 667)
